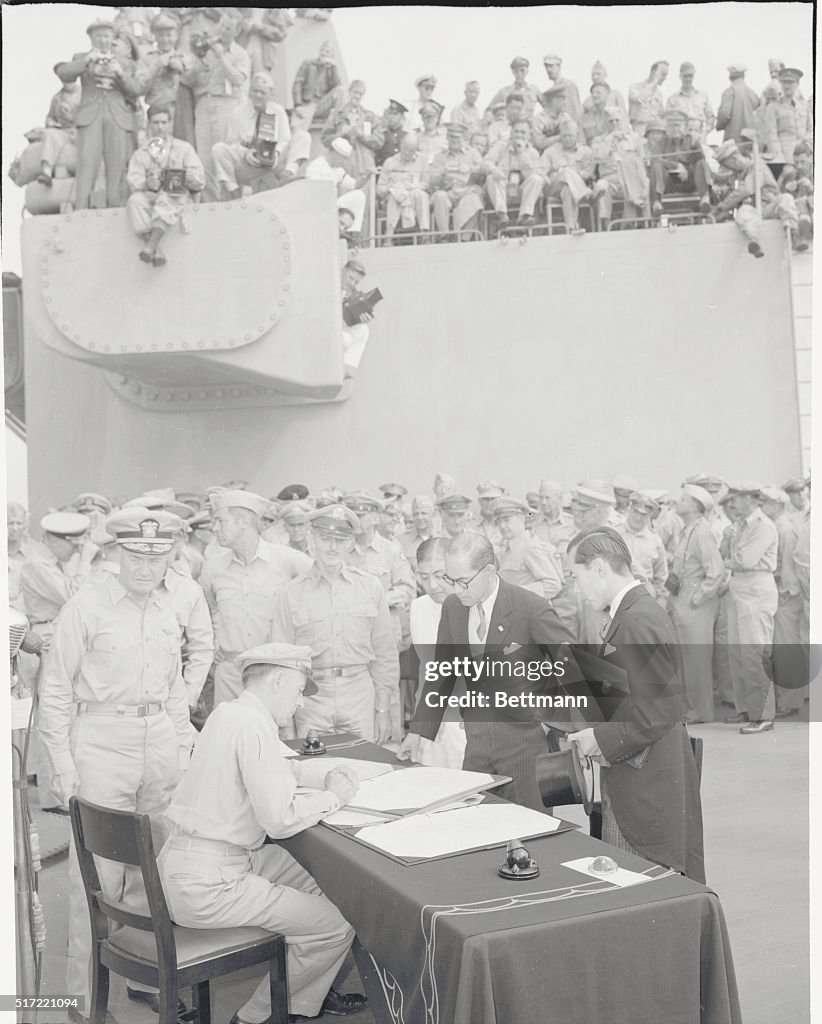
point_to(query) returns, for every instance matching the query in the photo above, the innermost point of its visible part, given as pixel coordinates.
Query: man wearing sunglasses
(491, 632)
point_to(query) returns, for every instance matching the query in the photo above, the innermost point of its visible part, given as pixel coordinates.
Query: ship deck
(755, 808)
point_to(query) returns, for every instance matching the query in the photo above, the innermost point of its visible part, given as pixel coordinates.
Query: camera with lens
(201, 43)
(103, 75)
(264, 145)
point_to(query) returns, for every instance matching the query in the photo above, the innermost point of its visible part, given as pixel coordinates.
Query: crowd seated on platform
(540, 159)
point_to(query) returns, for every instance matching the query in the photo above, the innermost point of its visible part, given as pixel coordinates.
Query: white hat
(342, 146)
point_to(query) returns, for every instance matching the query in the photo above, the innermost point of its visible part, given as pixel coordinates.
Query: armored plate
(103, 299)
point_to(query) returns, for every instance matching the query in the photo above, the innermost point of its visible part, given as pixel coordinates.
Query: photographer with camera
(259, 150)
(162, 67)
(162, 175)
(219, 80)
(105, 116)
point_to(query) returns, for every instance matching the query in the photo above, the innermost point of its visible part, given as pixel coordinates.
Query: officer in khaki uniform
(524, 560)
(593, 504)
(113, 707)
(241, 581)
(341, 613)
(488, 492)
(294, 518)
(696, 575)
(790, 660)
(754, 599)
(53, 573)
(422, 516)
(556, 527)
(216, 868)
(649, 562)
(455, 514)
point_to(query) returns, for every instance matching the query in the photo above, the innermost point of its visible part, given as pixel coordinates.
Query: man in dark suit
(650, 787)
(501, 638)
(105, 116)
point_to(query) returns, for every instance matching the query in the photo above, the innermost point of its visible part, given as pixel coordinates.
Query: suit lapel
(626, 602)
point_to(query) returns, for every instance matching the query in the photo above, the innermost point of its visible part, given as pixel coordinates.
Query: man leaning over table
(216, 869)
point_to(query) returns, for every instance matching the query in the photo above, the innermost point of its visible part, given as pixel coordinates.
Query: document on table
(345, 818)
(437, 834)
(362, 769)
(621, 877)
(420, 787)
(286, 751)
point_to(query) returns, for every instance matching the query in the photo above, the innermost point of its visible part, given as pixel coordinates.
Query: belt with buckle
(339, 671)
(131, 710)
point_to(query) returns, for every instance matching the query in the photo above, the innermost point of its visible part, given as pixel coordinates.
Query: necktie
(482, 625)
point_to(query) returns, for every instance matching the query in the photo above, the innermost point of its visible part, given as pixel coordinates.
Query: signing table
(450, 942)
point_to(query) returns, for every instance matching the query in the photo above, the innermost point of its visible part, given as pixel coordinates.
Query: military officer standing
(489, 491)
(341, 613)
(113, 706)
(648, 559)
(524, 560)
(797, 490)
(241, 581)
(422, 516)
(696, 575)
(294, 518)
(556, 527)
(455, 514)
(790, 662)
(754, 599)
(593, 504)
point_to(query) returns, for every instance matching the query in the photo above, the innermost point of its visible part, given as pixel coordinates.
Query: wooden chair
(151, 949)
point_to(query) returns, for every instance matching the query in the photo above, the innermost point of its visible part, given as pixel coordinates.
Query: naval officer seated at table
(215, 870)
(649, 781)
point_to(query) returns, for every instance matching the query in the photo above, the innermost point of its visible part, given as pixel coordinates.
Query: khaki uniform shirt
(344, 620)
(242, 598)
(239, 788)
(109, 649)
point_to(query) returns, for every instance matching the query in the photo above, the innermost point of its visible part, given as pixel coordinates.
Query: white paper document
(414, 788)
(621, 877)
(286, 751)
(344, 818)
(440, 833)
(362, 769)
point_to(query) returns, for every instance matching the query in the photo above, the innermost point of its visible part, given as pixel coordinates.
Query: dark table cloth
(450, 942)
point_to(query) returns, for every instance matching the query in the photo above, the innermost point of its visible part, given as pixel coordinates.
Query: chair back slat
(110, 834)
(124, 915)
(125, 837)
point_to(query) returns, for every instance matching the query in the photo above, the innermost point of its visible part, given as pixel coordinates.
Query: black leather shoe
(736, 719)
(755, 249)
(152, 1000)
(335, 1005)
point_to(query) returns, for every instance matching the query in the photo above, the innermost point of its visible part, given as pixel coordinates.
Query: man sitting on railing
(775, 204)
(455, 183)
(620, 158)
(402, 186)
(53, 146)
(513, 176)
(163, 175)
(677, 164)
(569, 170)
